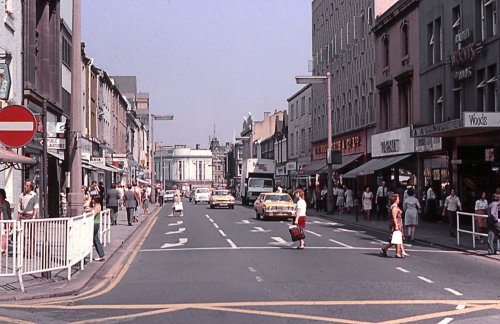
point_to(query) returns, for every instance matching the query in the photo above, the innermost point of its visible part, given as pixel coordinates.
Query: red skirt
(302, 221)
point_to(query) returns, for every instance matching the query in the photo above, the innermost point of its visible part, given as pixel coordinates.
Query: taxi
(274, 204)
(221, 198)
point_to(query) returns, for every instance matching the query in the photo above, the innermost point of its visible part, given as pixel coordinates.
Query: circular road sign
(17, 126)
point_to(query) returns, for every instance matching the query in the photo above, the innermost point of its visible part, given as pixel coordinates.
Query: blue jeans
(97, 241)
(492, 248)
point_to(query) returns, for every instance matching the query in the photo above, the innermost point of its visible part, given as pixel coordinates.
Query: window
(385, 98)
(434, 37)
(302, 142)
(385, 50)
(481, 90)
(457, 100)
(439, 40)
(488, 18)
(405, 40)
(291, 112)
(492, 88)
(292, 142)
(456, 27)
(438, 105)
(181, 170)
(303, 105)
(405, 103)
(66, 51)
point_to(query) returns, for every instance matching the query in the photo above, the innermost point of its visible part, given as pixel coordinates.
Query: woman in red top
(300, 213)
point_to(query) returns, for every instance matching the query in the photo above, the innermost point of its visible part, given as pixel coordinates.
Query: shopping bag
(178, 206)
(296, 232)
(397, 237)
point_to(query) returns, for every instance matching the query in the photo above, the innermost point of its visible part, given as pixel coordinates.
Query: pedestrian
(341, 199)
(102, 193)
(161, 192)
(451, 206)
(493, 224)
(349, 199)
(317, 199)
(130, 201)
(279, 189)
(430, 205)
(324, 193)
(177, 205)
(28, 203)
(121, 190)
(396, 224)
(300, 214)
(86, 199)
(481, 208)
(94, 189)
(335, 196)
(137, 192)
(381, 196)
(367, 202)
(96, 207)
(5, 214)
(112, 201)
(145, 202)
(411, 207)
(148, 192)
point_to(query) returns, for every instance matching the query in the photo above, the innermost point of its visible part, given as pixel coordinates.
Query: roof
(126, 84)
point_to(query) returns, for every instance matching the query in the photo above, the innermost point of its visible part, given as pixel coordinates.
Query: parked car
(221, 198)
(273, 204)
(201, 194)
(169, 195)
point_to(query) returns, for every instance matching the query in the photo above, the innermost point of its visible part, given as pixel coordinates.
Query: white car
(201, 194)
(169, 195)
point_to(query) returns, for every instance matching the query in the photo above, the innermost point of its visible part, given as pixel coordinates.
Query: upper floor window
(435, 40)
(385, 50)
(488, 18)
(405, 40)
(303, 105)
(66, 51)
(456, 27)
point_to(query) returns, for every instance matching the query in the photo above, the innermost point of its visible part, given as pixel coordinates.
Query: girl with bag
(300, 214)
(396, 228)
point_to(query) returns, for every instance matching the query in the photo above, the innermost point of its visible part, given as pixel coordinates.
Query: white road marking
(380, 241)
(234, 246)
(309, 248)
(207, 215)
(454, 292)
(402, 269)
(461, 306)
(182, 241)
(349, 231)
(260, 230)
(216, 226)
(252, 269)
(446, 320)
(222, 233)
(211, 220)
(259, 279)
(181, 230)
(176, 224)
(342, 244)
(425, 279)
(244, 221)
(313, 233)
(280, 241)
(330, 223)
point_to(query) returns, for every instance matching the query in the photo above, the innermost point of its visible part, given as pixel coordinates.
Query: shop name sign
(476, 120)
(464, 55)
(340, 145)
(390, 146)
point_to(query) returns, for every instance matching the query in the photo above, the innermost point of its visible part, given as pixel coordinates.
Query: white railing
(105, 227)
(473, 232)
(44, 245)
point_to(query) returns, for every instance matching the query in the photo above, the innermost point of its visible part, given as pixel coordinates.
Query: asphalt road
(225, 266)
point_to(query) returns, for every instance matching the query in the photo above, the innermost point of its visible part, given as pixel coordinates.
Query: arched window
(405, 39)
(385, 50)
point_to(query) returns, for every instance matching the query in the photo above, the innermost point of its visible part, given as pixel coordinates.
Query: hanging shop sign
(4, 81)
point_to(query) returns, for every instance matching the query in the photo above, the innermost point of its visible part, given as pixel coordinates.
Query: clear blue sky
(205, 61)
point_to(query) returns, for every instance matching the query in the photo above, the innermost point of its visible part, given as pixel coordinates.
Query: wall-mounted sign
(471, 119)
(463, 36)
(98, 160)
(54, 143)
(398, 141)
(428, 144)
(281, 170)
(464, 55)
(86, 157)
(291, 166)
(119, 157)
(4, 81)
(390, 146)
(463, 74)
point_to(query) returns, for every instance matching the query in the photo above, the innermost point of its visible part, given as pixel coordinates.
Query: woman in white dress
(341, 199)
(411, 207)
(349, 199)
(367, 199)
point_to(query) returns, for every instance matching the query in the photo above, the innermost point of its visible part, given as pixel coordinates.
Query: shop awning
(101, 167)
(56, 155)
(375, 164)
(115, 169)
(9, 157)
(314, 166)
(346, 160)
(142, 181)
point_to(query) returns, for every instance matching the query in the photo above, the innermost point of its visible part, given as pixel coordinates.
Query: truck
(257, 176)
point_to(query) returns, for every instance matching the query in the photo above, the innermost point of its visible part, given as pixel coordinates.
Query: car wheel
(211, 206)
(196, 202)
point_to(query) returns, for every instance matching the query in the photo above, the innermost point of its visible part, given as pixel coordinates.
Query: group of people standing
(343, 198)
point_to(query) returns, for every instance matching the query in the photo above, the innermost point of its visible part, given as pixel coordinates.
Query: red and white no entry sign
(17, 126)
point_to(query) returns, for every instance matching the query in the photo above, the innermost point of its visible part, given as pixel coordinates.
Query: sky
(207, 62)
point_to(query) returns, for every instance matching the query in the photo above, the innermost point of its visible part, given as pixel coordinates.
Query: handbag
(397, 237)
(296, 232)
(178, 206)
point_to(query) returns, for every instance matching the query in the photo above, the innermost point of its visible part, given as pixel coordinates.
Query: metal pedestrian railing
(473, 231)
(43, 245)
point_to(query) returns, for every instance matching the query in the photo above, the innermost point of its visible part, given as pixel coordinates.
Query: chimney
(197, 146)
(266, 115)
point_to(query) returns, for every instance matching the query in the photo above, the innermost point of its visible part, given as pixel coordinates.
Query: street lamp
(316, 79)
(153, 151)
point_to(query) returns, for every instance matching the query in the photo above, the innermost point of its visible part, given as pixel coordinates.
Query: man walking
(493, 225)
(112, 199)
(382, 201)
(28, 203)
(451, 206)
(130, 203)
(161, 192)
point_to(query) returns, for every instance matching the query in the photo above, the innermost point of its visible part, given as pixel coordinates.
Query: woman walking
(367, 200)
(96, 205)
(145, 202)
(481, 208)
(396, 224)
(349, 199)
(411, 206)
(300, 213)
(5, 214)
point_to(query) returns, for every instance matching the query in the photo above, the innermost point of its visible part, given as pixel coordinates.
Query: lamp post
(328, 80)
(153, 151)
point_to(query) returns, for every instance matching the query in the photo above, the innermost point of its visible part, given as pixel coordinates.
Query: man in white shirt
(451, 206)
(28, 203)
(382, 201)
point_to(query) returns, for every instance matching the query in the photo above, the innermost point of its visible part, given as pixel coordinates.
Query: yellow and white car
(273, 204)
(221, 198)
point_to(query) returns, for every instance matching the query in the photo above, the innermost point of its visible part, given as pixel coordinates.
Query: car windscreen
(262, 183)
(202, 190)
(169, 192)
(221, 193)
(281, 198)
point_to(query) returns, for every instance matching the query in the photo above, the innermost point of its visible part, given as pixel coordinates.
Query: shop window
(492, 88)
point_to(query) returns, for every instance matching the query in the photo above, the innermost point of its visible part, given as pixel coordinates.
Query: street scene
(233, 161)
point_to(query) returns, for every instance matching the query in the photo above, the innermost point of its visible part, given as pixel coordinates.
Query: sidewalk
(430, 233)
(37, 287)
